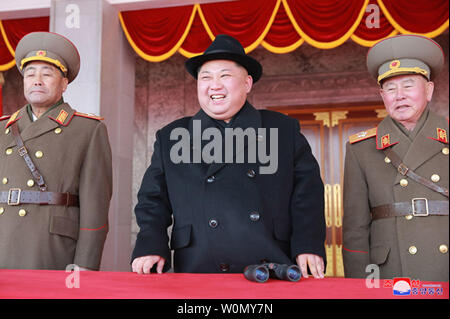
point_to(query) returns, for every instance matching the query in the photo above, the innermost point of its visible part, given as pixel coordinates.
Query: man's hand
(142, 265)
(315, 263)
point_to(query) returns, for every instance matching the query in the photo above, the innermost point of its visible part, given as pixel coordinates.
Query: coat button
(7, 131)
(38, 154)
(5, 180)
(403, 182)
(387, 160)
(8, 151)
(409, 217)
(224, 267)
(445, 151)
(211, 179)
(254, 216)
(251, 173)
(57, 130)
(213, 223)
(412, 250)
(2, 210)
(30, 183)
(443, 248)
(22, 212)
(435, 178)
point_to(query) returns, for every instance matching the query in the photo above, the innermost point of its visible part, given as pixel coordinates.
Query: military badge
(394, 64)
(385, 141)
(442, 135)
(41, 53)
(360, 136)
(62, 116)
(12, 119)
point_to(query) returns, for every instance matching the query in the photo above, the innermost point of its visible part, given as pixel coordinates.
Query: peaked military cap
(405, 54)
(51, 48)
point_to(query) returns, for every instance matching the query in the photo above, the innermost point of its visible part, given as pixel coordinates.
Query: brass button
(445, 151)
(435, 178)
(443, 248)
(387, 160)
(403, 182)
(5, 180)
(22, 212)
(409, 217)
(58, 130)
(412, 250)
(8, 151)
(30, 183)
(2, 210)
(7, 130)
(38, 154)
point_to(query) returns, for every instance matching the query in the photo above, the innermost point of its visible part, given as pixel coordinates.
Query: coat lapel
(248, 117)
(60, 115)
(426, 145)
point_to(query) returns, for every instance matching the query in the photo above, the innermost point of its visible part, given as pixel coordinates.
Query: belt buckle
(420, 214)
(402, 169)
(22, 151)
(10, 192)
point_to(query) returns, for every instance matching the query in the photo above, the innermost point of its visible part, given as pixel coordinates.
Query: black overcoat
(230, 215)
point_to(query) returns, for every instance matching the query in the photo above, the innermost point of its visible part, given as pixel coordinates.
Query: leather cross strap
(404, 170)
(23, 152)
(16, 196)
(417, 207)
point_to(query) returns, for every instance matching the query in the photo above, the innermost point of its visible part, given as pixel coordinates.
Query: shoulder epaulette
(362, 135)
(89, 116)
(4, 117)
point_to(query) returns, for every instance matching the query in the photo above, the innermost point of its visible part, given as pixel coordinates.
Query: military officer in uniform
(228, 214)
(55, 171)
(396, 174)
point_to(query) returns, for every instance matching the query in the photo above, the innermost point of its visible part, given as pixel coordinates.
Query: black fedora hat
(225, 47)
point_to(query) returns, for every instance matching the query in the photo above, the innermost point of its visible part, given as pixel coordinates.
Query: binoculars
(262, 272)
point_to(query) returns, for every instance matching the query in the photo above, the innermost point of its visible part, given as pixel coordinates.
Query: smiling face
(222, 88)
(406, 98)
(43, 84)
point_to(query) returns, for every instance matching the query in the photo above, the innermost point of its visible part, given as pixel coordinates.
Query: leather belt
(16, 196)
(419, 207)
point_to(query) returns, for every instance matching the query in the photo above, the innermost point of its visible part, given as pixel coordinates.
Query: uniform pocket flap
(64, 226)
(379, 254)
(281, 229)
(181, 237)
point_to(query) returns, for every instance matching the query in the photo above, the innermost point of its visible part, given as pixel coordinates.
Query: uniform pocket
(64, 227)
(181, 237)
(379, 254)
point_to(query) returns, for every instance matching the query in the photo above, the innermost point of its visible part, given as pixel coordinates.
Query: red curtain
(280, 25)
(12, 31)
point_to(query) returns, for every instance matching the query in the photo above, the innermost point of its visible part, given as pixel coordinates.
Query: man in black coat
(241, 184)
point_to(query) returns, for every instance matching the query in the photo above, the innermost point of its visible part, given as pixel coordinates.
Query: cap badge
(442, 135)
(394, 64)
(41, 53)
